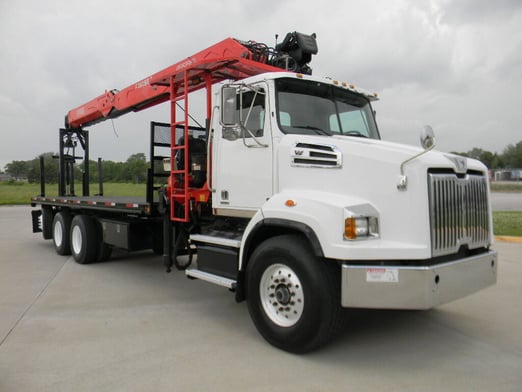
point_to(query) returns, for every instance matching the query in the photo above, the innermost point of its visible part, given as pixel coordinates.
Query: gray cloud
(454, 64)
(459, 12)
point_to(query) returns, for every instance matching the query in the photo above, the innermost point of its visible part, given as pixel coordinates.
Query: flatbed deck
(126, 204)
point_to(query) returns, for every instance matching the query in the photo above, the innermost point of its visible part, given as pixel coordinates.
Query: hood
(354, 171)
(354, 156)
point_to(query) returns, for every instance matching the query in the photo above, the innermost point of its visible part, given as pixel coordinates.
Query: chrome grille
(458, 212)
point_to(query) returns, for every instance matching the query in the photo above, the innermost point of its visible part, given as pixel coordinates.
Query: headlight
(358, 226)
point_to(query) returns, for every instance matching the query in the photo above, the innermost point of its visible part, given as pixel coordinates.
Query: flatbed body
(119, 204)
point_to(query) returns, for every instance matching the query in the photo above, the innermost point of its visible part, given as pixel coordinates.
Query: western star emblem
(461, 163)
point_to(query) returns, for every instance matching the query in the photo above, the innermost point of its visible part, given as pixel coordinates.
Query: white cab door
(242, 168)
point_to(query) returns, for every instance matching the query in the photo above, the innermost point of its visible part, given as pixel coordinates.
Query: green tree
(486, 157)
(490, 159)
(113, 171)
(50, 167)
(512, 155)
(17, 169)
(136, 168)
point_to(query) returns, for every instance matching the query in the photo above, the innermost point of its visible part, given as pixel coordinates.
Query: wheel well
(269, 228)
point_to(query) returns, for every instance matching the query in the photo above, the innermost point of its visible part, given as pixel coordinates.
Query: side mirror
(229, 112)
(427, 138)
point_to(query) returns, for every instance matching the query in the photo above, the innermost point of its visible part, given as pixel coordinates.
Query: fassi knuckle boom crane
(287, 196)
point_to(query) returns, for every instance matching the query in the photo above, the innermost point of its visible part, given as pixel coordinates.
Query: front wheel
(293, 296)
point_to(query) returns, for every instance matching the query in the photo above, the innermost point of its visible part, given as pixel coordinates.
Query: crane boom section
(228, 59)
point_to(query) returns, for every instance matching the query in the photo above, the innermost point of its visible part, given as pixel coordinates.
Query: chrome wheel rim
(58, 234)
(76, 240)
(281, 295)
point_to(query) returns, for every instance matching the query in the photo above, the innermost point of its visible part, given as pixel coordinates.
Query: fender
(321, 211)
(269, 227)
(316, 215)
(260, 229)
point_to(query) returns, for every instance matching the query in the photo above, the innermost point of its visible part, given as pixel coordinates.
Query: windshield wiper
(319, 131)
(355, 133)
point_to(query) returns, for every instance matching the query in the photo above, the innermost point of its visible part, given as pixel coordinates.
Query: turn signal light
(350, 228)
(360, 227)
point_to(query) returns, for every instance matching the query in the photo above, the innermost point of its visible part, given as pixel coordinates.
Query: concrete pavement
(125, 325)
(506, 201)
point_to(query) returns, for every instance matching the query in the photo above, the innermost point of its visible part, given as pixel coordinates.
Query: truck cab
(300, 155)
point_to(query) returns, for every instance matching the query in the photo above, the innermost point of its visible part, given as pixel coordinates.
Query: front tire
(293, 296)
(84, 239)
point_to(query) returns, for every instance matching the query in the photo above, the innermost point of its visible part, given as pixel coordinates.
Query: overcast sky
(453, 64)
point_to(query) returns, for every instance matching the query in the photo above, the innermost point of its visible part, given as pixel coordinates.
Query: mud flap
(37, 223)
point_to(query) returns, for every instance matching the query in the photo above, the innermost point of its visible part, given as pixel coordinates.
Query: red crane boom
(228, 59)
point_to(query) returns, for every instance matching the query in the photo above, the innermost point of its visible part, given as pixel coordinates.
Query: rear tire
(84, 239)
(293, 297)
(60, 232)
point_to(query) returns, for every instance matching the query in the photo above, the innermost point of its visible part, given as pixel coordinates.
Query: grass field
(512, 186)
(505, 223)
(21, 193)
(508, 223)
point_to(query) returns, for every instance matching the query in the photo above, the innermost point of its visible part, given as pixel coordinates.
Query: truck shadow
(393, 338)
(385, 338)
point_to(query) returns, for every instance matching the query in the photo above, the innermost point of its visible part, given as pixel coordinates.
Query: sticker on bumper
(382, 275)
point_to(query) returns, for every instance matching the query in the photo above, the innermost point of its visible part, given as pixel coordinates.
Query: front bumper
(392, 287)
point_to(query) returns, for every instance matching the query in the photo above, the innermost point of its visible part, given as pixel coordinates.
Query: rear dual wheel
(80, 236)
(85, 239)
(60, 229)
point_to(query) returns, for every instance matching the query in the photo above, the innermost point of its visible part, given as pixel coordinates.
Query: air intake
(316, 155)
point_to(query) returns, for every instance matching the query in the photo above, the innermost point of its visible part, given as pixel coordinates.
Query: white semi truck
(287, 195)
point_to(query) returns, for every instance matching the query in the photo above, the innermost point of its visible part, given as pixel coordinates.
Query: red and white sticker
(382, 275)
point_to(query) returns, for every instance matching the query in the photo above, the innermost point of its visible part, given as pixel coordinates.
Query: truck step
(213, 240)
(211, 278)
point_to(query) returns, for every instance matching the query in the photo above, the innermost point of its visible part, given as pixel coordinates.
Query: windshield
(308, 107)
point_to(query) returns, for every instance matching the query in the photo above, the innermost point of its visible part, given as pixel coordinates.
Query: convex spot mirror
(427, 137)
